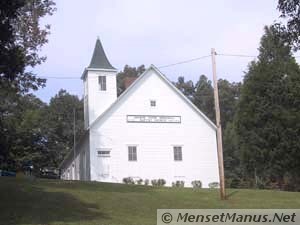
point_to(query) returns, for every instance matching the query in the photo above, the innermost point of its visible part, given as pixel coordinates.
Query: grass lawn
(72, 202)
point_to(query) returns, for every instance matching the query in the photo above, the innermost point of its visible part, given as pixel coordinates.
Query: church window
(177, 153)
(132, 154)
(102, 83)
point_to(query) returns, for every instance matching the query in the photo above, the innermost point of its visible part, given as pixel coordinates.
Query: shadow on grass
(31, 204)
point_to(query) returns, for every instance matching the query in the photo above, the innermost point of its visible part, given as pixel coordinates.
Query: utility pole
(74, 142)
(219, 128)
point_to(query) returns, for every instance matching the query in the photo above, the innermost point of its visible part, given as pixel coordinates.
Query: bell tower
(100, 85)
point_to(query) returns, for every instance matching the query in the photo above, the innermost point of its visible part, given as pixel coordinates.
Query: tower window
(102, 83)
(152, 103)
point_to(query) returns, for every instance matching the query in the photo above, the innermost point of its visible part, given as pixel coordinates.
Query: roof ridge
(169, 83)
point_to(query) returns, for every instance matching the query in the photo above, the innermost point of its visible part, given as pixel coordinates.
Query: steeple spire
(99, 59)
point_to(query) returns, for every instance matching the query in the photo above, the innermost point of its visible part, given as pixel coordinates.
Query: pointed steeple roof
(99, 59)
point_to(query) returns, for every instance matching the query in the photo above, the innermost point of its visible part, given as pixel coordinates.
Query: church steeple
(99, 59)
(100, 85)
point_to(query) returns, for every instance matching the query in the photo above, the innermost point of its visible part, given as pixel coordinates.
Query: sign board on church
(153, 119)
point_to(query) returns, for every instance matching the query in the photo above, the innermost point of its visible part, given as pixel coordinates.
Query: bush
(139, 181)
(154, 182)
(146, 182)
(159, 182)
(197, 184)
(178, 183)
(128, 180)
(213, 185)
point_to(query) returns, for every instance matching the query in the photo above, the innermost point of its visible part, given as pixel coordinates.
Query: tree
(58, 125)
(22, 139)
(29, 143)
(21, 39)
(187, 88)
(268, 115)
(229, 95)
(290, 11)
(232, 168)
(204, 97)
(128, 72)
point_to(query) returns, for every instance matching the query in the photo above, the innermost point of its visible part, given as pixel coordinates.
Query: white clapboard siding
(154, 141)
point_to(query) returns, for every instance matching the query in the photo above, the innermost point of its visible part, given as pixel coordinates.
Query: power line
(234, 55)
(55, 77)
(186, 61)
(168, 65)
(251, 56)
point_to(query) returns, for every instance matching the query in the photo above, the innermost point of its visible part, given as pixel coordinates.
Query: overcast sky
(158, 32)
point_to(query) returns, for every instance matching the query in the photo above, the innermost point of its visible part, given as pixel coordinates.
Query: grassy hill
(67, 202)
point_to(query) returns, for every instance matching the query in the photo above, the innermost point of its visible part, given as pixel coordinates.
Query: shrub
(154, 182)
(146, 182)
(139, 181)
(213, 185)
(128, 180)
(159, 182)
(178, 183)
(197, 184)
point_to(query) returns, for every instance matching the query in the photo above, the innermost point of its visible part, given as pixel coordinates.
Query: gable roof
(99, 59)
(164, 78)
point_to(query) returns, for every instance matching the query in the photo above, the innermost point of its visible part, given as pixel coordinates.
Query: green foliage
(214, 185)
(178, 184)
(229, 95)
(128, 72)
(33, 133)
(22, 141)
(58, 125)
(187, 88)
(268, 118)
(290, 11)
(231, 152)
(139, 181)
(204, 97)
(21, 39)
(128, 180)
(158, 182)
(197, 184)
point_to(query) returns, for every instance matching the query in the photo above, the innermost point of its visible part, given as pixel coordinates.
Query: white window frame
(177, 155)
(102, 82)
(132, 156)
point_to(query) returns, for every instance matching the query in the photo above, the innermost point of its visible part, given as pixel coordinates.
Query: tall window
(177, 153)
(132, 156)
(102, 83)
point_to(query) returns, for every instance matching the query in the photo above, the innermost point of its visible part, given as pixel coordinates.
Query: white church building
(151, 131)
